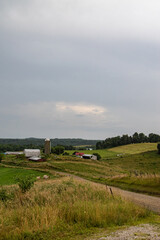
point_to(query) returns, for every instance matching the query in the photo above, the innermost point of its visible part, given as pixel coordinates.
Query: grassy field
(8, 175)
(65, 209)
(126, 149)
(137, 172)
(135, 148)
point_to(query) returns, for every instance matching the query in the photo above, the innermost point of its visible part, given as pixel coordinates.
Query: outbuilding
(89, 156)
(36, 159)
(13, 153)
(32, 153)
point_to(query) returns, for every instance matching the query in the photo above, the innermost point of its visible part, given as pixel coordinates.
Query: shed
(89, 156)
(36, 159)
(13, 153)
(32, 153)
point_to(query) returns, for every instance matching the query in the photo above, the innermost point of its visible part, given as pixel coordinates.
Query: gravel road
(141, 232)
(150, 202)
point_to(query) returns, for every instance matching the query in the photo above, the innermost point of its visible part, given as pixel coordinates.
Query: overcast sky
(79, 68)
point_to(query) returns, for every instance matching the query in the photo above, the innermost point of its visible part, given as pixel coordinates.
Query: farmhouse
(32, 153)
(80, 154)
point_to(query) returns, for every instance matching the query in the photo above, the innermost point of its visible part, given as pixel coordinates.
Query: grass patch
(149, 184)
(8, 175)
(64, 209)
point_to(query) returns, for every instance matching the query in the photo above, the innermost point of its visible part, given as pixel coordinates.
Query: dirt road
(149, 202)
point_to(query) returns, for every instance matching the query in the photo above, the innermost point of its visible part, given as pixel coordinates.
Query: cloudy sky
(79, 68)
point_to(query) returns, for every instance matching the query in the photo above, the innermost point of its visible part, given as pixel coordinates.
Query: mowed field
(8, 175)
(135, 148)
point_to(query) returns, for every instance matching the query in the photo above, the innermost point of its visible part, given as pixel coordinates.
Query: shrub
(21, 156)
(65, 153)
(98, 155)
(4, 196)
(57, 150)
(25, 183)
(2, 156)
(158, 147)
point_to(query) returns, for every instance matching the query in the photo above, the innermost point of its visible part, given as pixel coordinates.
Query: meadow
(65, 209)
(135, 148)
(122, 167)
(69, 208)
(8, 175)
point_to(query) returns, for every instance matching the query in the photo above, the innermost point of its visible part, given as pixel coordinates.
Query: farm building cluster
(85, 156)
(35, 154)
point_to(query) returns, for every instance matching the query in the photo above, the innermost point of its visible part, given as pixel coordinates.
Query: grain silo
(47, 146)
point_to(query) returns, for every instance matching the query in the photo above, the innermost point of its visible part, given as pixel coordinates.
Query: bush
(98, 155)
(65, 153)
(158, 147)
(25, 183)
(57, 150)
(4, 196)
(21, 157)
(2, 156)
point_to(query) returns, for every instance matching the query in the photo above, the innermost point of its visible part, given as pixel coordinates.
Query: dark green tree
(57, 150)
(158, 147)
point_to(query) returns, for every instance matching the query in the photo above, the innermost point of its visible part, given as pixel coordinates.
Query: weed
(4, 195)
(25, 183)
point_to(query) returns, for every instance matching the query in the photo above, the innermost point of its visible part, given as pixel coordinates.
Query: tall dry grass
(138, 181)
(55, 204)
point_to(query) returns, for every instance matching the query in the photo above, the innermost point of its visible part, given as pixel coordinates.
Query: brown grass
(64, 202)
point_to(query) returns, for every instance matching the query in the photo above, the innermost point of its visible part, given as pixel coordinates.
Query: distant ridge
(54, 142)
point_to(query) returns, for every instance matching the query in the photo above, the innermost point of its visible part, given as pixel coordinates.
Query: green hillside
(130, 170)
(135, 148)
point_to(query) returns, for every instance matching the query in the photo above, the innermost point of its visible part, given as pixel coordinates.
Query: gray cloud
(79, 53)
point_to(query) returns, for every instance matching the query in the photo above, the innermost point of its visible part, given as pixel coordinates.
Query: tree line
(54, 142)
(126, 139)
(17, 147)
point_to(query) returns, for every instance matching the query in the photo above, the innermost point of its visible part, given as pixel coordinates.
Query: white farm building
(32, 153)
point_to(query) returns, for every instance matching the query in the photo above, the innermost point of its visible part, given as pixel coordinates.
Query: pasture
(9, 175)
(136, 172)
(135, 148)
